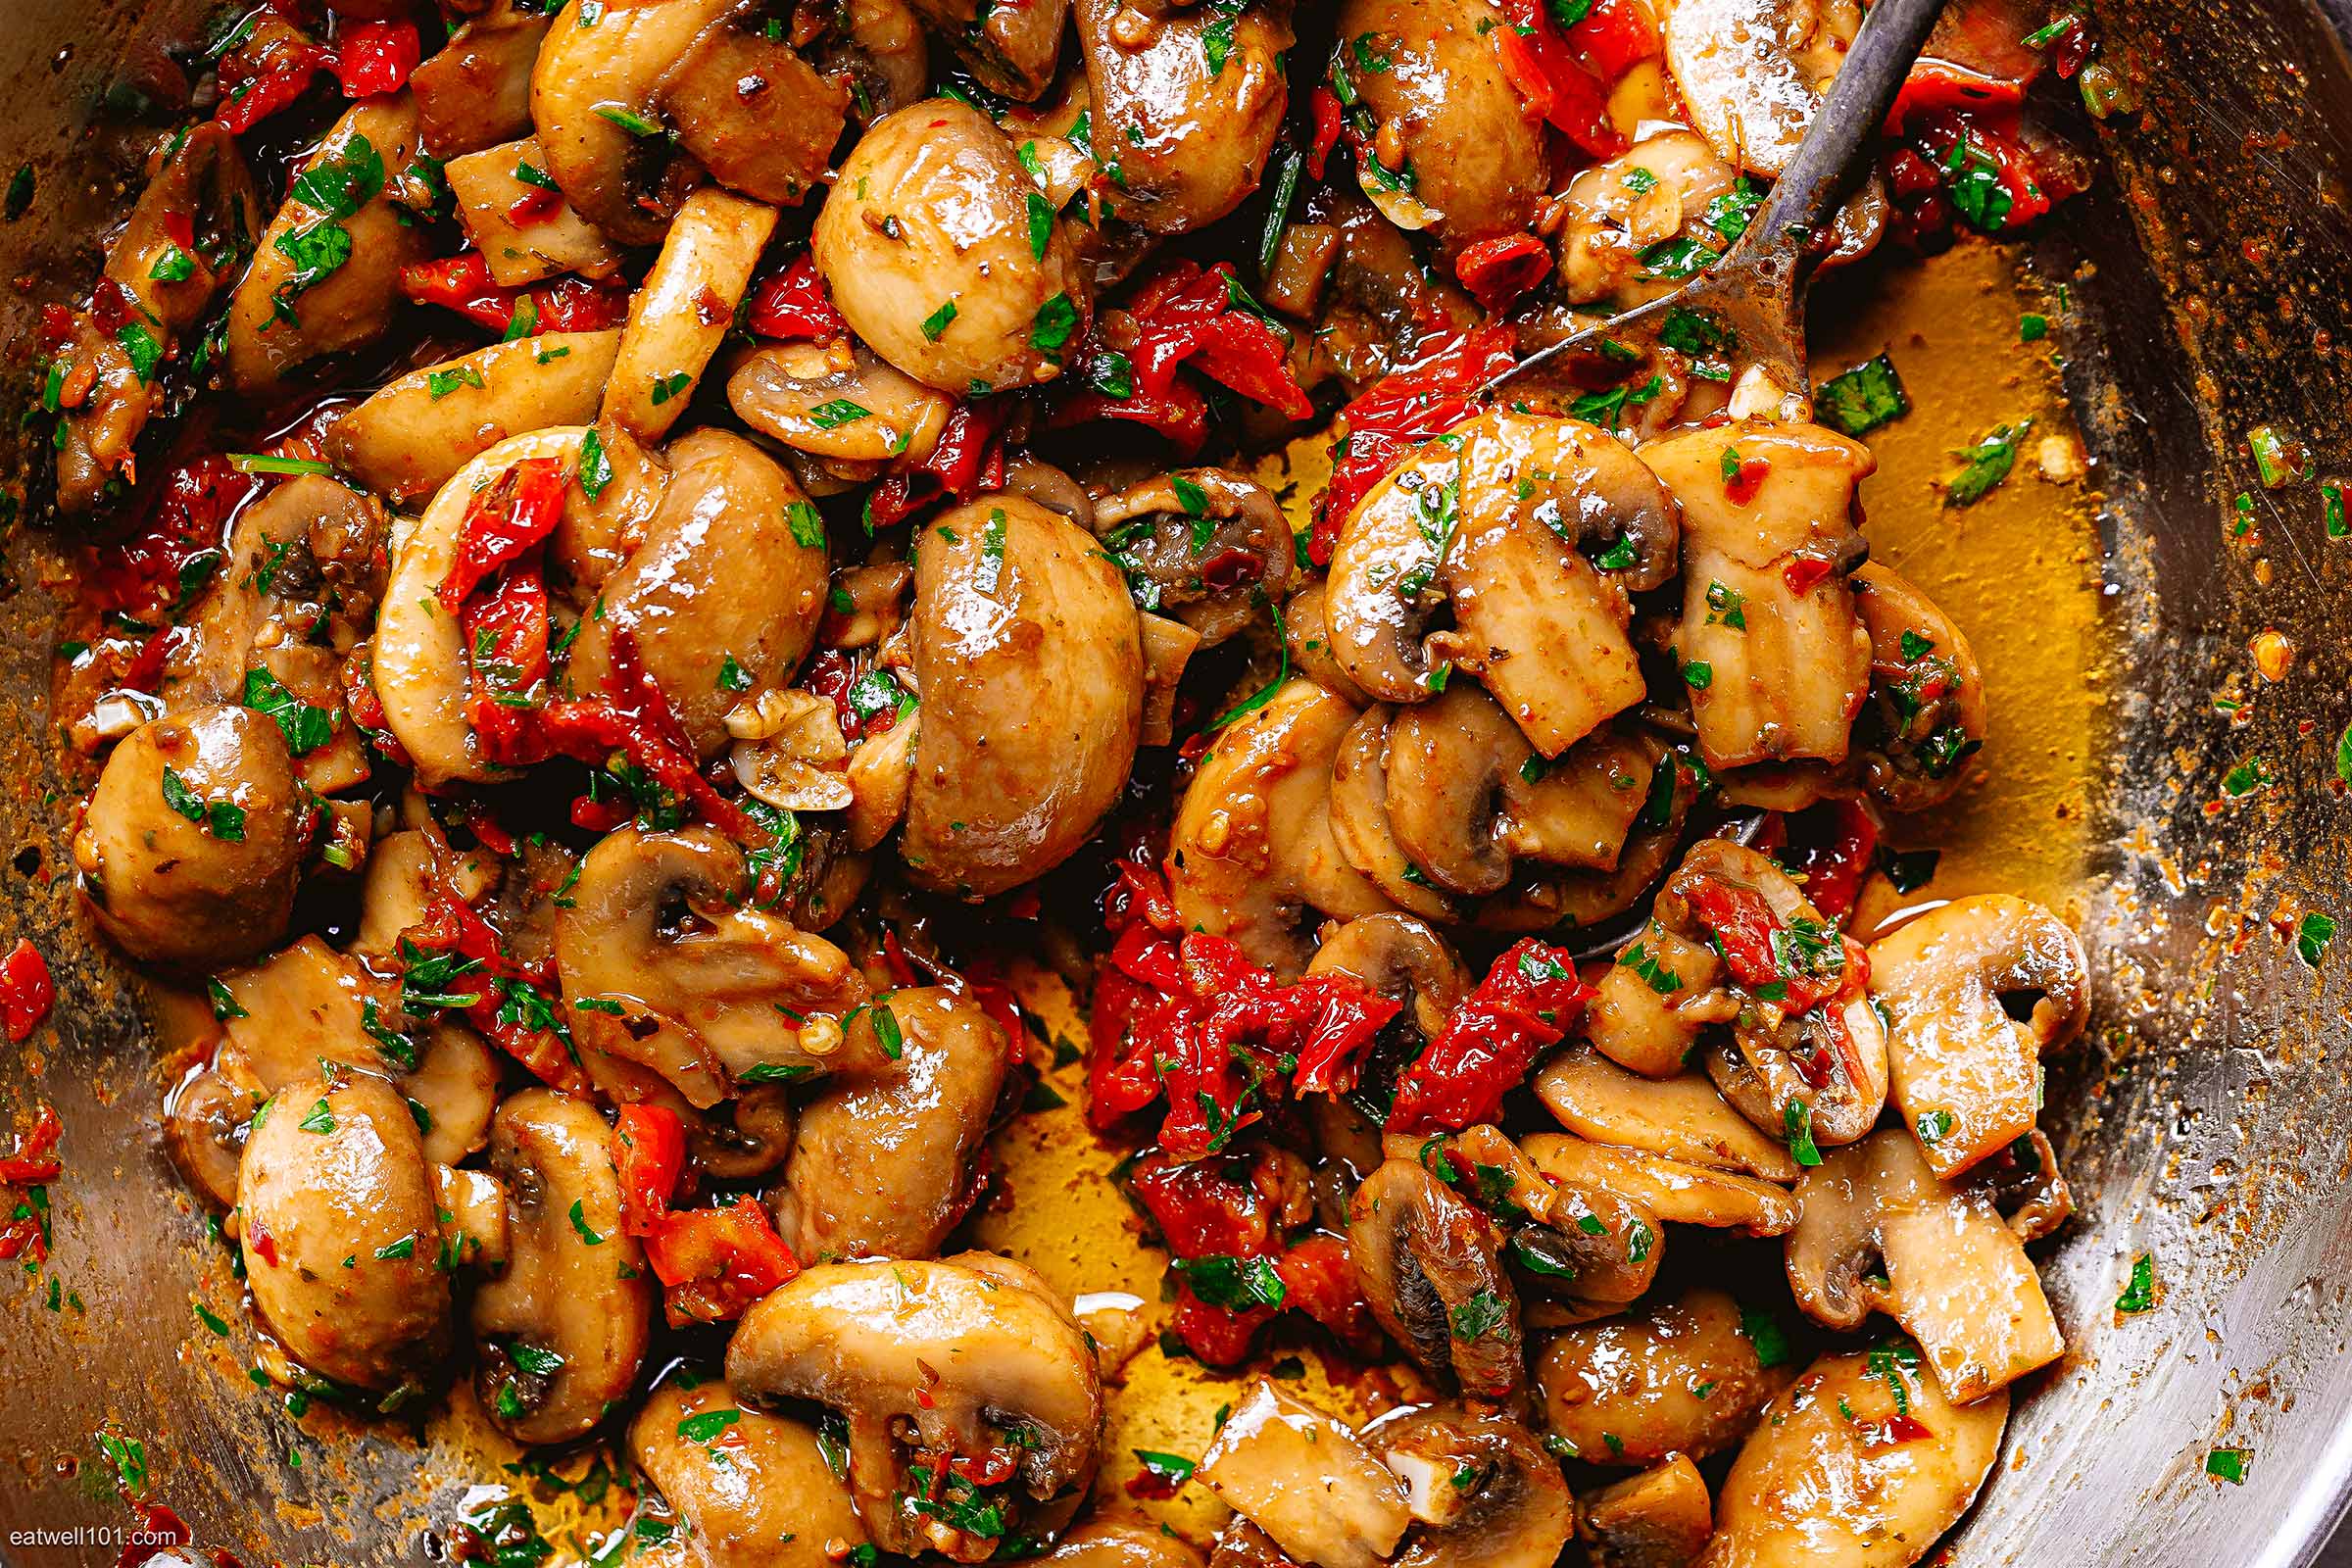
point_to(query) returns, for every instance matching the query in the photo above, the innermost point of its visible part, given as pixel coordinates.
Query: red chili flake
(26, 993)
(1742, 475)
(1804, 573)
(374, 58)
(35, 1159)
(261, 1243)
(795, 303)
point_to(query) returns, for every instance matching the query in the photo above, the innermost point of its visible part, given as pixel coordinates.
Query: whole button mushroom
(559, 1331)
(944, 257)
(745, 1490)
(341, 1241)
(192, 844)
(1030, 666)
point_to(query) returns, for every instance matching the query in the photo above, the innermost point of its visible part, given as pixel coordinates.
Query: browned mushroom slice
(1399, 957)
(560, 1332)
(1683, 1376)
(2028, 1187)
(1683, 1117)
(197, 179)
(1751, 71)
(1168, 646)
(1880, 1233)
(932, 1360)
(1382, 596)
(1306, 636)
(524, 232)
(1363, 827)
(1660, 1518)
(1193, 124)
(1203, 544)
(801, 393)
(663, 968)
(1120, 1543)
(1653, 1001)
(1771, 643)
(1677, 1192)
(1859, 1463)
(332, 1170)
(1975, 992)
(1030, 663)
(1480, 1486)
(751, 1491)
(594, 108)
(684, 308)
(1927, 696)
(1251, 853)
(1657, 191)
(1011, 49)
(750, 111)
(1299, 1475)
(884, 1159)
(1429, 1267)
(475, 90)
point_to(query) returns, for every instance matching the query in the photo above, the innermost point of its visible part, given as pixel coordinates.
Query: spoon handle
(1829, 162)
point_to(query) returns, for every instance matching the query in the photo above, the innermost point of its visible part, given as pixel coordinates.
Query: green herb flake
(596, 465)
(321, 1120)
(580, 1226)
(709, 1424)
(305, 727)
(1860, 400)
(225, 1003)
(2139, 1292)
(671, 386)
(1986, 465)
(19, 200)
(1053, 325)
(2312, 937)
(939, 320)
(1796, 1122)
(834, 413)
(2228, 1464)
(628, 119)
(1478, 1316)
(1934, 1126)
(1171, 1469)
(222, 819)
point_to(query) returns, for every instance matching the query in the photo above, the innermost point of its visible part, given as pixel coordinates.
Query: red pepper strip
(1803, 574)
(1179, 412)
(505, 636)
(717, 1262)
(649, 1151)
(1831, 849)
(1898, 1428)
(374, 58)
(1397, 414)
(289, 77)
(188, 516)
(1188, 314)
(1325, 105)
(1119, 1081)
(795, 303)
(1538, 63)
(26, 993)
(956, 466)
(1528, 1001)
(1615, 36)
(514, 511)
(1319, 1279)
(1937, 134)
(450, 925)
(1207, 1209)
(1938, 86)
(1498, 271)
(1745, 929)
(35, 1159)
(634, 716)
(463, 283)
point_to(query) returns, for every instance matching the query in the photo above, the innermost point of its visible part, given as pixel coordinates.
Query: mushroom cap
(1428, 1263)
(1483, 1490)
(1625, 1391)
(757, 1493)
(615, 57)
(960, 1351)
(1210, 567)
(588, 1303)
(1311, 1492)
(1030, 662)
(333, 1172)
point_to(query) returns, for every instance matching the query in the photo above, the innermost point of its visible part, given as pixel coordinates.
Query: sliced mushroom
(1874, 1489)
(524, 231)
(1467, 149)
(1681, 1118)
(1479, 1485)
(1252, 852)
(1030, 664)
(683, 309)
(1927, 710)
(1010, 49)
(724, 594)
(1427, 1264)
(789, 751)
(204, 1122)
(342, 1250)
(1683, 1376)
(1660, 1518)
(1302, 1478)
(1975, 992)
(1399, 957)
(594, 108)
(1805, 1065)
(561, 1329)
(199, 178)
(1205, 544)
(1496, 533)
(475, 90)
(1168, 646)
(957, 1357)
(755, 115)
(1306, 636)
(194, 838)
(836, 400)
(1652, 1002)
(1675, 1192)
(885, 1158)
(931, 209)
(663, 965)
(1192, 127)
(413, 434)
(406, 870)
(418, 661)
(1663, 189)
(1771, 643)
(323, 282)
(1880, 1233)
(1364, 828)
(751, 1491)
(1117, 1544)
(881, 56)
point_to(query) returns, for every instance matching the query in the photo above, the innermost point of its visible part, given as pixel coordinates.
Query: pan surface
(2204, 1124)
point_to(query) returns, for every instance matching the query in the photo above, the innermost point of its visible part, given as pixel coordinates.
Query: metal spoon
(1758, 291)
